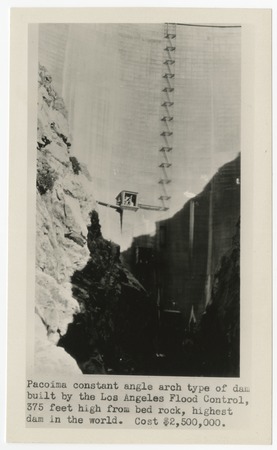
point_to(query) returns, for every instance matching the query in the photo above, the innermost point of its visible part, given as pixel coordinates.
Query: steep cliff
(87, 303)
(64, 200)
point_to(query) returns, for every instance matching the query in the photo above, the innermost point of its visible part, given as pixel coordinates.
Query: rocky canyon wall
(87, 303)
(64, 200)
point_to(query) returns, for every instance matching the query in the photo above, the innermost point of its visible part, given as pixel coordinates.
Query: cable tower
(167, 107)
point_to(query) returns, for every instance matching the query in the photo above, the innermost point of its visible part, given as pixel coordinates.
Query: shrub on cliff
(46, 176)
(75, 165)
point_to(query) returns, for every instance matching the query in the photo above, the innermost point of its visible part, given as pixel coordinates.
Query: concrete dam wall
(178, 263)
(112, 78)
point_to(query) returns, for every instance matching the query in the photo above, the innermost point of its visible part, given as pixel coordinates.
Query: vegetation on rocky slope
(114, 330)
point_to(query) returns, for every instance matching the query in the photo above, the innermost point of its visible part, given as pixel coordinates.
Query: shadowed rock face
(86, 301)
(114, 330)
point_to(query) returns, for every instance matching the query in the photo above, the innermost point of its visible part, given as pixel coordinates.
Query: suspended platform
(166, 149)
(169, 75)
(170, 36)
(167, 118)
(164, 181)
(128, 200)
(168, 89)
(165, 164)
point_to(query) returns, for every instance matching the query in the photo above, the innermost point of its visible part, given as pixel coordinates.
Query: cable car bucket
(128, 200)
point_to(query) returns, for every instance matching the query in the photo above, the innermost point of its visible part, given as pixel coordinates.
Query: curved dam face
(178, 263)
(112, 78)
(148, 193)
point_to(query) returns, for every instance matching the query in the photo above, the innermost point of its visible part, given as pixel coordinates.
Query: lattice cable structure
(167, 108)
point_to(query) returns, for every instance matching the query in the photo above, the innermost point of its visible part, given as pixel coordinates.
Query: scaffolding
(167, 105)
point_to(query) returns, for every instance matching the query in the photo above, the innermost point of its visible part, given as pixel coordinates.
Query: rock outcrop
(64, 201)
(113, 332)
(92, 315)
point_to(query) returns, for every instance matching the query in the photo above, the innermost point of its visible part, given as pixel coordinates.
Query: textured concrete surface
(111, 80)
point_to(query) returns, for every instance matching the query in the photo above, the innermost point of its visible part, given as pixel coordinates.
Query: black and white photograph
(139, 289)
(138, 199)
